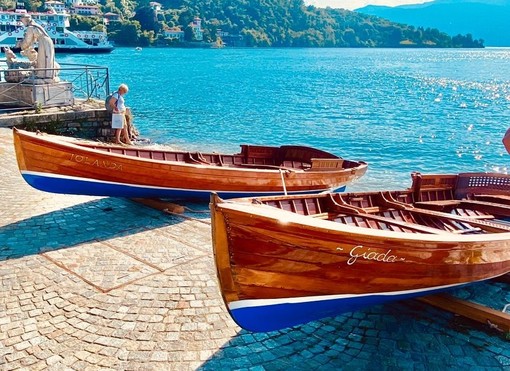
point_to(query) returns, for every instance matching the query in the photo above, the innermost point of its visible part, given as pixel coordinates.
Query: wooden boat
(66, 165)
(287, 260)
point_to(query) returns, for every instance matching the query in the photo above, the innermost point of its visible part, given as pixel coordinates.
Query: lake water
(401, 110)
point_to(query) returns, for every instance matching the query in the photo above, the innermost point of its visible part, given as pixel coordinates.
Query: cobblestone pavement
(105, 283)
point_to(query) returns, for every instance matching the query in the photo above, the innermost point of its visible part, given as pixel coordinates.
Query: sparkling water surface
(401, 110)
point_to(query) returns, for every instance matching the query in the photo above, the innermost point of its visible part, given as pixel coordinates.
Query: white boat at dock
(57, 26)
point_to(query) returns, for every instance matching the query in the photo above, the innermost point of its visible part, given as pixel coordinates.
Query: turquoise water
(400, 110)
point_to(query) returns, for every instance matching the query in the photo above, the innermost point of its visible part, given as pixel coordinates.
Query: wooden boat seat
(376, 221)
(329, 163)
(210, 158)
(481, 209)
(295, 165)
(197, 158)
(454, 207)
(363, 203)
(439, 203)
(500, 199)
(488, 224)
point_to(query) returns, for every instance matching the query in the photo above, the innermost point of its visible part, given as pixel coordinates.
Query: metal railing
(86, 82)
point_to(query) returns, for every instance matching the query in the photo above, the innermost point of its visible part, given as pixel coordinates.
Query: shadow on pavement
(90, 221)
(405, 335)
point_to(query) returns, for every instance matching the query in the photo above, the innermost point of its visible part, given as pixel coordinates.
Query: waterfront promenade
(92, 283)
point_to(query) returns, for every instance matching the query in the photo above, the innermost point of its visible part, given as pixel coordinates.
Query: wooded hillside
(265, 23)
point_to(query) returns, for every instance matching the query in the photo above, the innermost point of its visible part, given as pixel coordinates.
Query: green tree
(7, 4)
(148, 18)
(125, 33)
(81, 23)
(146, 38)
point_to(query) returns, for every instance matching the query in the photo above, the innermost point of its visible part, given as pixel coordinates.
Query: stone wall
(88, 120)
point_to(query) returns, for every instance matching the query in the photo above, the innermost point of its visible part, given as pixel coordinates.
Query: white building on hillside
(196, 27)
(156, 6)
(85, 10)
(174, 33)
(58, 6)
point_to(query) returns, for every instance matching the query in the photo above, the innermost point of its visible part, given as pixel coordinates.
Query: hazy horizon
(355, 4)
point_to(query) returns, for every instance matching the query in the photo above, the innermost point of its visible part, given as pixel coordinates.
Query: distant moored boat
(57, 27)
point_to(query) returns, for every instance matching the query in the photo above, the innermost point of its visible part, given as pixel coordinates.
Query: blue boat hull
(90, 187)
(270, 315)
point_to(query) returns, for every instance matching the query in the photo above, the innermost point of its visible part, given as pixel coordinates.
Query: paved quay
(91, 283)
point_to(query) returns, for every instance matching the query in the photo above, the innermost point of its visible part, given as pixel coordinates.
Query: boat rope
(494, 326)
(283, 183)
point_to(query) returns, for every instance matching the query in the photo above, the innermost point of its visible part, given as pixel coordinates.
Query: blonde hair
(123, 87)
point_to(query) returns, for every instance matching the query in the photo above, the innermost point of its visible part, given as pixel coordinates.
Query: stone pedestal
(30, 95)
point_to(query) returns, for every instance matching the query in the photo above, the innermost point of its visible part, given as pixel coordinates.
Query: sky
(355, 4)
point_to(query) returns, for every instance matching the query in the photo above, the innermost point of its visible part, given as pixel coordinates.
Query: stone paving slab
(100, 265)
(90, 283)
(161, 249)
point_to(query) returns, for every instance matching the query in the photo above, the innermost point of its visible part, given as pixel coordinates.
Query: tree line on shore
(261, 23)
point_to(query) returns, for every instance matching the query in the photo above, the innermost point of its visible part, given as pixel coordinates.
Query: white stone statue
(30, 54)
(13, 64)
(45, 55)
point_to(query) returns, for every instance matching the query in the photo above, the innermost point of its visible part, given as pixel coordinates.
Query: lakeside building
(174, 33)
(196, 27)
(230, 40)
(111, 17)
(56, 6)
(87, 10)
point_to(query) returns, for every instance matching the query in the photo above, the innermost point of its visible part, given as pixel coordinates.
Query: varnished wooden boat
(287, 260)
(66, 165)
